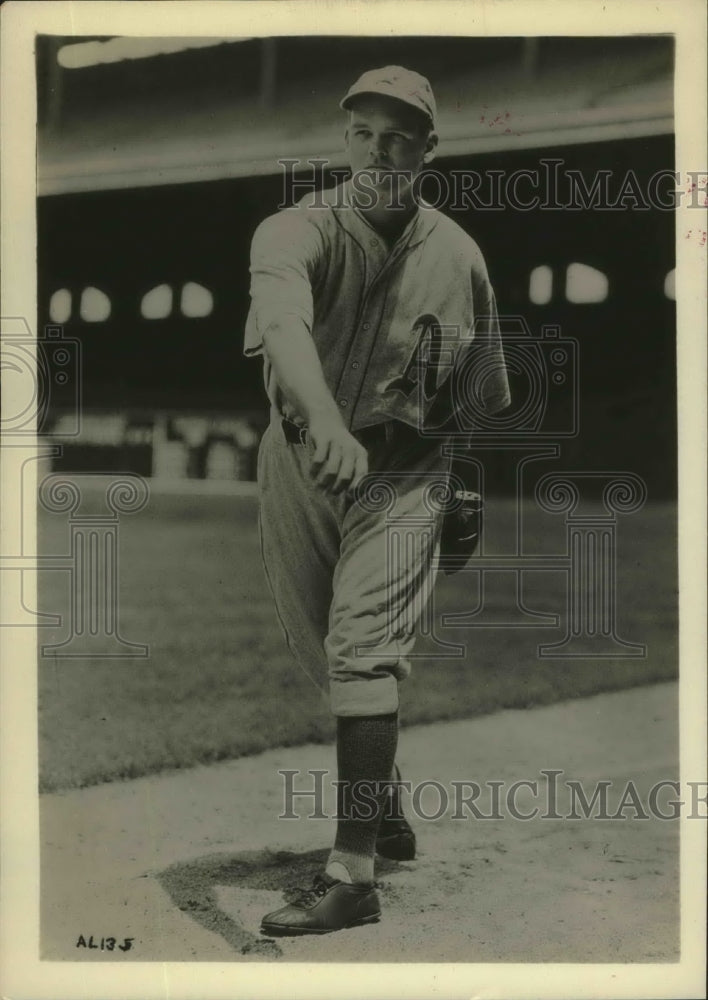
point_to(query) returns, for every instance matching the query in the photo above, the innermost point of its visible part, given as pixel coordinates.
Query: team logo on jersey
(429, 363)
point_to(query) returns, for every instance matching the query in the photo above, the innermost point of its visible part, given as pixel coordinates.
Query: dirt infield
(186, 863)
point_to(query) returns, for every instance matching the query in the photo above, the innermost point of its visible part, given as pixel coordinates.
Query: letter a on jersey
(426, 360)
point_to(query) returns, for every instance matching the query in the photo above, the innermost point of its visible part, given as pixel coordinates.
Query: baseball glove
(461, 531)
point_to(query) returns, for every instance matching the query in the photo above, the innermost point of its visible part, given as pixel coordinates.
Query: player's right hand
(339, 461)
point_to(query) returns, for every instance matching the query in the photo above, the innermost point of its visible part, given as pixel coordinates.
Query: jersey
(393, 326)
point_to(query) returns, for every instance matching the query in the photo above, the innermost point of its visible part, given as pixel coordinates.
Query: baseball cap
(397, 82)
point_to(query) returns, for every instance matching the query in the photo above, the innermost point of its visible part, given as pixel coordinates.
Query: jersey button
(342, 402)
(366, 326)
(355, 365)
(373, 243)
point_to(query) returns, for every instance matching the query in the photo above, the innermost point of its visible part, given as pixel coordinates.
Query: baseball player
(350, 289)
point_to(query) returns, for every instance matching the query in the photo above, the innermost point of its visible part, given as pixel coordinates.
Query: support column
(591, 541)
(94, 568)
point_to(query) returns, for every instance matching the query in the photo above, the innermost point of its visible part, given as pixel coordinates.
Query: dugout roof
(231, 108)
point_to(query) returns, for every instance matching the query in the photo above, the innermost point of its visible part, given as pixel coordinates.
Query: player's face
(385, 137)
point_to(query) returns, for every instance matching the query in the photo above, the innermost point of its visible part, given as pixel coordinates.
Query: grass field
(219, 682)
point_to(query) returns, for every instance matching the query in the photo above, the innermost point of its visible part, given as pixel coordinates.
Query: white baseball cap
(398, 82)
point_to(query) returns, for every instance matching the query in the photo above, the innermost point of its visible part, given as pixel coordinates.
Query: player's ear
(430, 147)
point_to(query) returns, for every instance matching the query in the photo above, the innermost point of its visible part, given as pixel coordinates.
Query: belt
(377, 434)
(294, 433)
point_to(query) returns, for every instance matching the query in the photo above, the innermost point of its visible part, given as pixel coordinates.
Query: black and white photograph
(353, 446)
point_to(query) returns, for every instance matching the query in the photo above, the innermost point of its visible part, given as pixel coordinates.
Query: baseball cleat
(395, 839)
(330, 905)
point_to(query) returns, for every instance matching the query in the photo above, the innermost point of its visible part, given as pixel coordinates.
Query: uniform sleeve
(490, 382)
(285, 254)
(479, 386)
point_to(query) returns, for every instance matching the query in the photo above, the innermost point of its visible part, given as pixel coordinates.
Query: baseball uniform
(393, 326)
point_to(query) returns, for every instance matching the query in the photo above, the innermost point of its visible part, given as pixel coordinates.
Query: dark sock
(366, 750)
(393, 802)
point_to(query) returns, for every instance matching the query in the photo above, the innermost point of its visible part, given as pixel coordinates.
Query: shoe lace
(307, 896)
